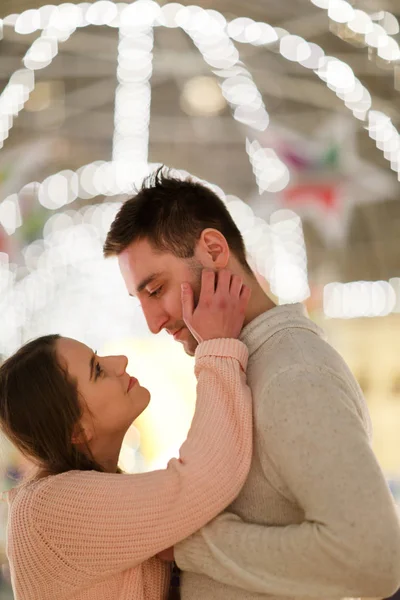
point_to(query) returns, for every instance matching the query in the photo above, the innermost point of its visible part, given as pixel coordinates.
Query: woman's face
(112, 399)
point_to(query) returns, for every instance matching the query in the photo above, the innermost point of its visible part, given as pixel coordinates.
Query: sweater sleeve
(349, 541)
(101, 523)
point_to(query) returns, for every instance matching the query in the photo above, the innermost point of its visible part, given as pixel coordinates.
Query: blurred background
(290, 110)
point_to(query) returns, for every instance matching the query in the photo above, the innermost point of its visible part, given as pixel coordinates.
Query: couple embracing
(276, 492)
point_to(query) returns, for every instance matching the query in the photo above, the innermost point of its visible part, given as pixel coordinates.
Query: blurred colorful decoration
(322, 194)
(327, 177)
(301, 158)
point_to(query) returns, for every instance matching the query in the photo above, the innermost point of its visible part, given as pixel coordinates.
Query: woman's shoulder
(37, 504)
(41, 485)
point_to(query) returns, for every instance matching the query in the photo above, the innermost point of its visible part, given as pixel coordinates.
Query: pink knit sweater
(84, 535)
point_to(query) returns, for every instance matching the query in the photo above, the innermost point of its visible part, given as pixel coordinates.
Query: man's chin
(189, 350)
(189, 344)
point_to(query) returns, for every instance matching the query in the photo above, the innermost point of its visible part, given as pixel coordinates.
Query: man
(315, 517)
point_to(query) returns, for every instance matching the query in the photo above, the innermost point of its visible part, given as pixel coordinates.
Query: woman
(80, 529)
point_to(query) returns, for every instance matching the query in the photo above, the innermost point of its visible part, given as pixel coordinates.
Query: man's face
(155, 279)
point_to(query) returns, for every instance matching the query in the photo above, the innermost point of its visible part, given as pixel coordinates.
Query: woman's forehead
(73, 351)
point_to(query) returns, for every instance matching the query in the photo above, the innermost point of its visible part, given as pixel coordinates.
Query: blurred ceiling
(79, 89)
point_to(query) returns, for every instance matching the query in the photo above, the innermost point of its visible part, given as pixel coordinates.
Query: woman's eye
(99, 370)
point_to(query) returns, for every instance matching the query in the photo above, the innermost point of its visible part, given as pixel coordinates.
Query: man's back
(299, 477)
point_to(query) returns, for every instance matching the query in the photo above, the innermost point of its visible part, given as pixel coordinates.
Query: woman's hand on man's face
(221, 308)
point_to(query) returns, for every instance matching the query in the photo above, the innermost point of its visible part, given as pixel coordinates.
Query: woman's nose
(120, 364)
(124, 362)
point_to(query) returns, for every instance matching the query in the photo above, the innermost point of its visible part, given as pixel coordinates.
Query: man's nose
(155, 319)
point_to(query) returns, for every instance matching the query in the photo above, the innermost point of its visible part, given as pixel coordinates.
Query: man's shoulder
(290, 346)
(294, 352)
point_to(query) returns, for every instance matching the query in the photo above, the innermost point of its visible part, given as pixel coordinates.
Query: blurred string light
(376, 28)
(10, 215)
(37, 301)
(212, 35)
(271, 173)
(386, 136)
(276, 249)
(13, 98)
(201, 96)
(58, 24)
(338, 76)
(288, 277)
(362, 299)
(209, 32)
(395, 284)
(133, 94)
(100, 178)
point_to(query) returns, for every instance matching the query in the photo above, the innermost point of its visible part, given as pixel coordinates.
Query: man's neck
(259, 302)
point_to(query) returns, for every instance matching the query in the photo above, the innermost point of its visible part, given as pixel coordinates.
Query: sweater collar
(276, 319)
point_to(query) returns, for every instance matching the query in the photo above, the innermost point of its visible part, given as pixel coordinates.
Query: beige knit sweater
(315, 518)
(91, 536)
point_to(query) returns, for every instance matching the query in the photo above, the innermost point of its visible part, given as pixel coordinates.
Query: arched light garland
(336, 74)
(57, 26)
(376, 36)
(208, 31)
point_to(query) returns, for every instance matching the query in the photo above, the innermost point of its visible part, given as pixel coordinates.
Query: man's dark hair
(171, 214)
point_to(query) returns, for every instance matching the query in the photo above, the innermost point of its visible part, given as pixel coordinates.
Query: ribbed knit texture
(315, 518)
(91, 536)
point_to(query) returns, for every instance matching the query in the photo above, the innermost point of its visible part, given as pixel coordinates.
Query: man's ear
(212, 249)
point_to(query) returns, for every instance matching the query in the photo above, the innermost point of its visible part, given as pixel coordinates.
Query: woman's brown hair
(40, 408)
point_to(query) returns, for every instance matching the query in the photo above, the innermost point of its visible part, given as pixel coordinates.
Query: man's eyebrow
(144, 283)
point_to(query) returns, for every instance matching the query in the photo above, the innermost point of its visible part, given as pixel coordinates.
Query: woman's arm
(103, 523)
